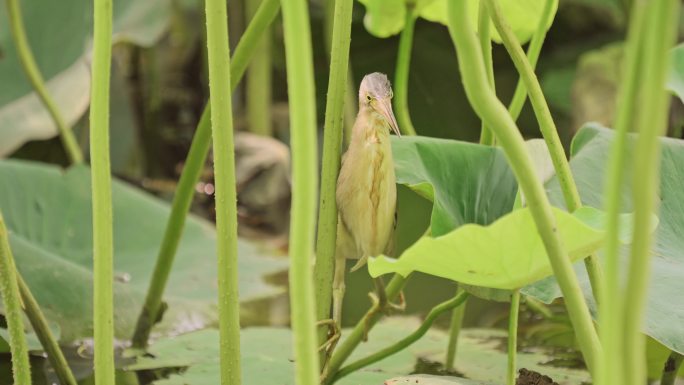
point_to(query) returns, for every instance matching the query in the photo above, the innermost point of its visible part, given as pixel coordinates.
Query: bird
(366, 193)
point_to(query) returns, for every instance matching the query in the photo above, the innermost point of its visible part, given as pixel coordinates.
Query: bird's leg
(335, 323)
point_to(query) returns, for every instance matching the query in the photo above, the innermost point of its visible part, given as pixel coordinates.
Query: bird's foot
(328, 346)
(381, 304)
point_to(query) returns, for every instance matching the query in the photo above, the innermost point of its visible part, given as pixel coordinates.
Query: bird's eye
(368, 97)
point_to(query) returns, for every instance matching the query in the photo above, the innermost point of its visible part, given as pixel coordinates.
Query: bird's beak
(384, 107)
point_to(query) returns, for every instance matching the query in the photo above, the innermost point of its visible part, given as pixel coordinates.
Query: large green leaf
(48, 212)
(467, 182)
(665, 305)
(60, 34)
(387, 17)
(507, 254)
(675, 81)
(267, 356)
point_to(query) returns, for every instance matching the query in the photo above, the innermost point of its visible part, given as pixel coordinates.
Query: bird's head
(376, 93)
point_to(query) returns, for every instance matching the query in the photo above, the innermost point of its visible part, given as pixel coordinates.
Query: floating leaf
(48, 213)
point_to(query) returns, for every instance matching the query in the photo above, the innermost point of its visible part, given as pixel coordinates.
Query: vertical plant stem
(513, 336)
(42, 329)
(401, 75)
(405, 342)
(610, 306)
(484, 34)
(259, 82)
(548, 129)
(28, 64)
(9, 290)
(304, 169)
(495, 115)
(672, 365)
(454, 331)
(103, 253)
(533, 51)
(659, 36)
(355, 336)
(226, 196)
(194, 163)
(332, 140)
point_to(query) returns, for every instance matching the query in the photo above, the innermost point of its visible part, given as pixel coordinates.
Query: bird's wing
(391, 244)
(345, 247)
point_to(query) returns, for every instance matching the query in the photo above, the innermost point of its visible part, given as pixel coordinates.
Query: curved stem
(671, 368)
(406, 341)
(194, 163)
(103, 253)
(610, 306)
(495, 115)
(454, 331)
(9, 291)
(513, 336)
(28, 64)
(258, 92)
(548, 129)
(304, 176)
(42, 329)
(659, 37)
(484, 34)
(533, 51)
(332, 141)
(346, 347)
(401, 75)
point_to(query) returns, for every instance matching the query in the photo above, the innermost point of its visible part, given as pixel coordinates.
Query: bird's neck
(370, 127)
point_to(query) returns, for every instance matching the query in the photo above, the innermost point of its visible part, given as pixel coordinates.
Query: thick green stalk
(194, 163)
(354, 338)
(610, 305)
(454, 331)
(533, 51)
(304, 177)
(495, 115)
(406, 341)
(42, 330)
(103, 253)
(9, 291)
(28, 64)
(258, 90)
(547, 127)
(659, 36)
(513, 337)
(401, 75)
(226, 195)
(332, 140)
(674, 361)
(484, 35)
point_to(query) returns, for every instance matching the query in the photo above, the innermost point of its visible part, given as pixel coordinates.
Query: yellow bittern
(366, 190)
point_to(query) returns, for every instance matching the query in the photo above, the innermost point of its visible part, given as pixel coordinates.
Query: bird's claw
(381, 304)
(328, 346)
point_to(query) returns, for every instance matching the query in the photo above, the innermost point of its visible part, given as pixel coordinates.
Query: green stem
(454, 331)
(548, 129)
(194, 163)
(103, 253)
(659, 36)
(401, 75)
(610, 306)
(304, 176)
(539, 308)
(9, 291)
(671, 368)
(28, 64)
(332, 140)
(533, 51)
(513, 336)
(226, 195)
(484, 35)
(42, 329)
(259, 82)
(495, 115)
(406, 341)
(356, 335)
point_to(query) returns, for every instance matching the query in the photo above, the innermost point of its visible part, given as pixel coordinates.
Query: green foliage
(507, 254)
(268, 356)
(664, 307)
(675, 81)
(48, 213)
(60, 35)
(385, 18)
